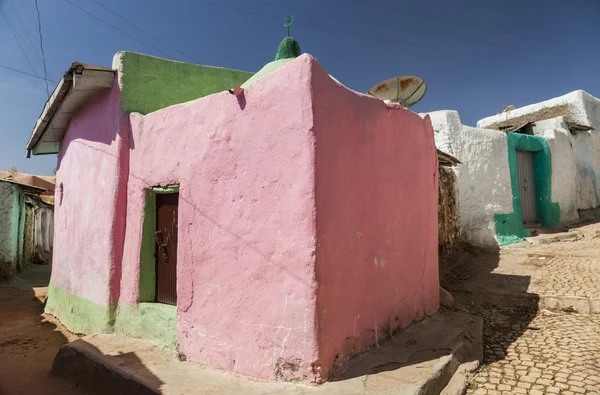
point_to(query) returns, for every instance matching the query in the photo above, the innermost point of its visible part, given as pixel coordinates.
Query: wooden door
(166, 248)
(527, 187)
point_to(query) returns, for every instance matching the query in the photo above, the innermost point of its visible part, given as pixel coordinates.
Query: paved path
(549, 343)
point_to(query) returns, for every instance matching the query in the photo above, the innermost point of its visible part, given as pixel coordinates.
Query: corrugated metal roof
(24, 186)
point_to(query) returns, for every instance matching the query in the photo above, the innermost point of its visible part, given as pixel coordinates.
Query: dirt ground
(28, 339)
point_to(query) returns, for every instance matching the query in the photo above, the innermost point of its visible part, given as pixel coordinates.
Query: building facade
(273, 232)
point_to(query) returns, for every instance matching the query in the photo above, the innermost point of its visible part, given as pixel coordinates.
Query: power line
(375, 38)
(48, 48)
(42, 46)
(144, 31)
(513, 48)
(461, 23)
(20, 46)
(25, 73)
(25, 30)
(116, 28)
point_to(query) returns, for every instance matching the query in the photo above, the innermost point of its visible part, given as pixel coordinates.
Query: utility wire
(144, 31)
(35, 26)
(42, 46)
(117, 29)
(513, 48)
(375, 38)
(20, 46)
(460, 23)
(26, 33)
(25, 73)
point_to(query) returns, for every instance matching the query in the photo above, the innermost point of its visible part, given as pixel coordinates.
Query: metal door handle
(161, 245)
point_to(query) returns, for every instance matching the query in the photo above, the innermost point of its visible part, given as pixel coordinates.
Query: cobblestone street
(555, 354)
(541, 334)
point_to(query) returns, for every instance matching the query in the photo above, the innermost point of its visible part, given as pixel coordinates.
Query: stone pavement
(540, 305)
(557, 353)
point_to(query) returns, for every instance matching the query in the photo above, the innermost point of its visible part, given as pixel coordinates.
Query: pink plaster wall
(246, 285)
(307, 218)
(88, 227)
(376, 198)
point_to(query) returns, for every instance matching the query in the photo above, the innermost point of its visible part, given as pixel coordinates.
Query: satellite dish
(406, 90)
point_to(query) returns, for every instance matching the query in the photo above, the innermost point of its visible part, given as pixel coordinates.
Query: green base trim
(509, 227)
(150, 321)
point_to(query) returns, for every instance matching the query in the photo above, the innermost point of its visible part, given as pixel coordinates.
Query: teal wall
(509, 227)
(149, 83)
(11, 207)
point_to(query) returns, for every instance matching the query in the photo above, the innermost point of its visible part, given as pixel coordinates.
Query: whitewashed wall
(584, 183)
(565, 183)
(483, 177)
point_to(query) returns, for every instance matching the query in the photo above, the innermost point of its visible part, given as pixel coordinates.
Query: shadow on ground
(29, 341)
(483, 288)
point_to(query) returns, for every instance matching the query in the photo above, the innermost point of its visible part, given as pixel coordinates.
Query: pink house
(274, 234)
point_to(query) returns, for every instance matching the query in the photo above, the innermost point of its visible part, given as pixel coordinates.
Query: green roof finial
(288, 48)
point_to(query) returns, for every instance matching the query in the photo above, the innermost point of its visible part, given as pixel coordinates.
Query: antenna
(406, 90)
(288, 21)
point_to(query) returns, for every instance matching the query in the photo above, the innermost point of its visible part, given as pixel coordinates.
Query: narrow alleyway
(540, 306)
(28, 339)
(539, 302)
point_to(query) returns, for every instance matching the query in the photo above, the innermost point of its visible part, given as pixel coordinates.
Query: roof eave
(77, 86)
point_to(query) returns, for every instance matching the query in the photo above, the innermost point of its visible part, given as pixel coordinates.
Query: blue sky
(475, 55)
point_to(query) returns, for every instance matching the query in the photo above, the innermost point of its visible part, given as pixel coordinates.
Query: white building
(534, 166)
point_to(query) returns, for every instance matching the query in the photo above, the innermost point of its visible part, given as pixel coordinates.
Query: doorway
(158, 255)
(165, 238)
(527, 187)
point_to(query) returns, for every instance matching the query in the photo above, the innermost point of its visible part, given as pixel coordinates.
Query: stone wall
(449, 240)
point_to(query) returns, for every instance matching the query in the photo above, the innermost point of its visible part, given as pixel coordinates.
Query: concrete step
(421, 359)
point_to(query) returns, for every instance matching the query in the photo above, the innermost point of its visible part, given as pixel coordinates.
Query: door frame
(509, 227)
(523, 173)
(147, 272)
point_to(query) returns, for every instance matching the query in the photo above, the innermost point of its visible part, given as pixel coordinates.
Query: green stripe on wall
(150, 321)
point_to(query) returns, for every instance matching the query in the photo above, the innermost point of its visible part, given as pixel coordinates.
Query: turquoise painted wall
(11, 205)
(509, 227)
(149, 83)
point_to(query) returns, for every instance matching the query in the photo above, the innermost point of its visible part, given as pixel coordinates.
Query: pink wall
(246, 286)
(307, 218)
(376, 191)
(87, 221)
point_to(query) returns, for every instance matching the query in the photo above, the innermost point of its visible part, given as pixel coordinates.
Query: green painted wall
(147, 258)
(509, 227)
(151, 321)
(21, 217)
(149, 84)
(11, 198)
(46, 148)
